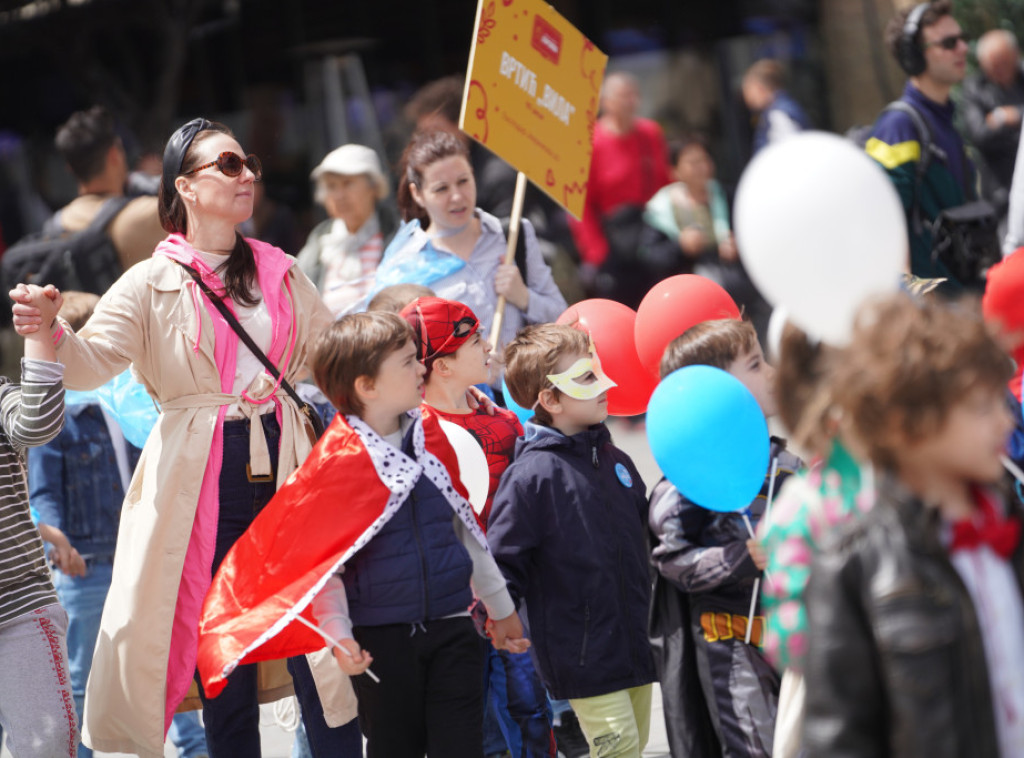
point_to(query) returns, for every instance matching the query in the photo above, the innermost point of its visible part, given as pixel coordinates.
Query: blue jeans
(520, 703)
(188, 735)
(83, 598)
(232, 718)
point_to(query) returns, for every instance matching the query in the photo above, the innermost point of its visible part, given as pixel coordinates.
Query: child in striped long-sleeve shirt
(36, 706)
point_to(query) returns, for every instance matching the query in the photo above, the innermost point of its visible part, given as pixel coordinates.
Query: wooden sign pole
(510, 252)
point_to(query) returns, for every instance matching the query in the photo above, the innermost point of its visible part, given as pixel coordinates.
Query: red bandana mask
(441, 326)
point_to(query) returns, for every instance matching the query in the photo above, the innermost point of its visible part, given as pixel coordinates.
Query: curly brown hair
(908, 364)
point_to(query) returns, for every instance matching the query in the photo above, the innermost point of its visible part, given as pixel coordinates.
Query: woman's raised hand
(34, 307)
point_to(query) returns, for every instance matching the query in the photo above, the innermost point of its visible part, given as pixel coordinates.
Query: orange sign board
(532, 93)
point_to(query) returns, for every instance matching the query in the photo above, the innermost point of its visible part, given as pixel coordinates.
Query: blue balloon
(522, 413)
(710, 437)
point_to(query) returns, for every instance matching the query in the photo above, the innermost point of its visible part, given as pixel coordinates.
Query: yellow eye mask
(583, 380)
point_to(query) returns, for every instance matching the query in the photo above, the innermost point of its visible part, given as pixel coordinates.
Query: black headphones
(909, 52)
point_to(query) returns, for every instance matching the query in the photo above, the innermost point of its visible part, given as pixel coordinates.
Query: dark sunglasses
(230, 164)
(950, 42)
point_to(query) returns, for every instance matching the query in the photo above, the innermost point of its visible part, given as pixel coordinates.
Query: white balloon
(472, 463)
(820, 228)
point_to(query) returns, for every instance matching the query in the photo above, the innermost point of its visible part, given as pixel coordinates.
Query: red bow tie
(987, 527)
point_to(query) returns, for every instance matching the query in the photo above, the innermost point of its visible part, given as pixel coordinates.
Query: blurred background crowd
(297, 80)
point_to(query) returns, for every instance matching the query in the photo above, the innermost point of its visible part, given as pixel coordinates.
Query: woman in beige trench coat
(227, 436)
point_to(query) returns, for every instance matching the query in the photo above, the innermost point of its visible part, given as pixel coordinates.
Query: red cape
(295, 541)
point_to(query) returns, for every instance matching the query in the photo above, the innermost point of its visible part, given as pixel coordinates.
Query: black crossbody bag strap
(243, 335)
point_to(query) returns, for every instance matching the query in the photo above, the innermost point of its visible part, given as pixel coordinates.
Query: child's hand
(477, 399)
(355, 661)
(62, 554)
(35, 308)
(69, 561)
(757, 554)
(507, 634)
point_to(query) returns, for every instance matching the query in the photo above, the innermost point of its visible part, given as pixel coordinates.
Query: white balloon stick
(1012, 467)
(334, 643)
(753, 607)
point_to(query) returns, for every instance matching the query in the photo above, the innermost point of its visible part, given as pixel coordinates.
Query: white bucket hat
(352, 160)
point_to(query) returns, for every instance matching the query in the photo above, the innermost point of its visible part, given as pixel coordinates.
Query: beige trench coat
(148, 319)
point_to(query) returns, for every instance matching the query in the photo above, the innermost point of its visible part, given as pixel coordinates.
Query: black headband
(174, 153)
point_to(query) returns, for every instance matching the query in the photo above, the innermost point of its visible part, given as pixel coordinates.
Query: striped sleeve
(32, 413)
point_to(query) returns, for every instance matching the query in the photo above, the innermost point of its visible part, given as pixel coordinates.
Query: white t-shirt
(256, 321)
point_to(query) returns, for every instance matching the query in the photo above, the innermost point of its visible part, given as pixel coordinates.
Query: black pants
(430, 696)
(232, 718)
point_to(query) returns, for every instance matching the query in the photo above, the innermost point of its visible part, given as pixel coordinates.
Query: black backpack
(85, 260)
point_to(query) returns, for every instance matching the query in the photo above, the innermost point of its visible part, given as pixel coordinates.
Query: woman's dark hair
(424, 149)
(239, 273)
(685, 141)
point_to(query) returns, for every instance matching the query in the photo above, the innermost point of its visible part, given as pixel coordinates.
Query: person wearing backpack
(95, 156)
(929, 45)
(99, 235)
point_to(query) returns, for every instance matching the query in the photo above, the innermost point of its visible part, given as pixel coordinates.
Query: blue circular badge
(623, 473)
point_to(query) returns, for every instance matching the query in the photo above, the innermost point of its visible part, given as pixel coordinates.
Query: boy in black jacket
(568, 532)
(916, 616)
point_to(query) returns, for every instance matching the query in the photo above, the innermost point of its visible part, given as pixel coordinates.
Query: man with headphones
(914, 138)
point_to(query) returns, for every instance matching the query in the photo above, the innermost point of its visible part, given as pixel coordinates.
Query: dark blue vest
(415, 568)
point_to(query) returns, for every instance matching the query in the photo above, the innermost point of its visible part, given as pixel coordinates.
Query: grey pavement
(277, 741)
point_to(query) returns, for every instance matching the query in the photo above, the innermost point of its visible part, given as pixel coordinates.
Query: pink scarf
(271, 269)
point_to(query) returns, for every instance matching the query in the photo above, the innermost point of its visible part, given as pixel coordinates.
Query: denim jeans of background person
(77, 484)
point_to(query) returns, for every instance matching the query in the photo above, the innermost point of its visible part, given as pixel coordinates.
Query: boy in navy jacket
(568, 531)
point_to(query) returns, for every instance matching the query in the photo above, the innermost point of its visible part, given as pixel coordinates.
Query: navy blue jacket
(948, 182)
(74, 482)
(568, 530)
(415, 568)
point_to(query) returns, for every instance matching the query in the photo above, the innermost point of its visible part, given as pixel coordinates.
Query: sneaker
(569, 737)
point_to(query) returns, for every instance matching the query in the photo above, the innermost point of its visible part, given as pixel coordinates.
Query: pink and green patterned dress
(810, 506)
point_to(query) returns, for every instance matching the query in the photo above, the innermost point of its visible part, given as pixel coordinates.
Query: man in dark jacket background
(930, 47)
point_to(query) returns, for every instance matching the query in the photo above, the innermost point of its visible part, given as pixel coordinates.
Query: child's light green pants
(618, 724)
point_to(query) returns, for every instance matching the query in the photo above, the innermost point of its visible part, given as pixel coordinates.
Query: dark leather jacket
(895, 665)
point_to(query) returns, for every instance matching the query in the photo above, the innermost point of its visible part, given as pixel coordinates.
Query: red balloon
(671, 307)
(611, 327)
